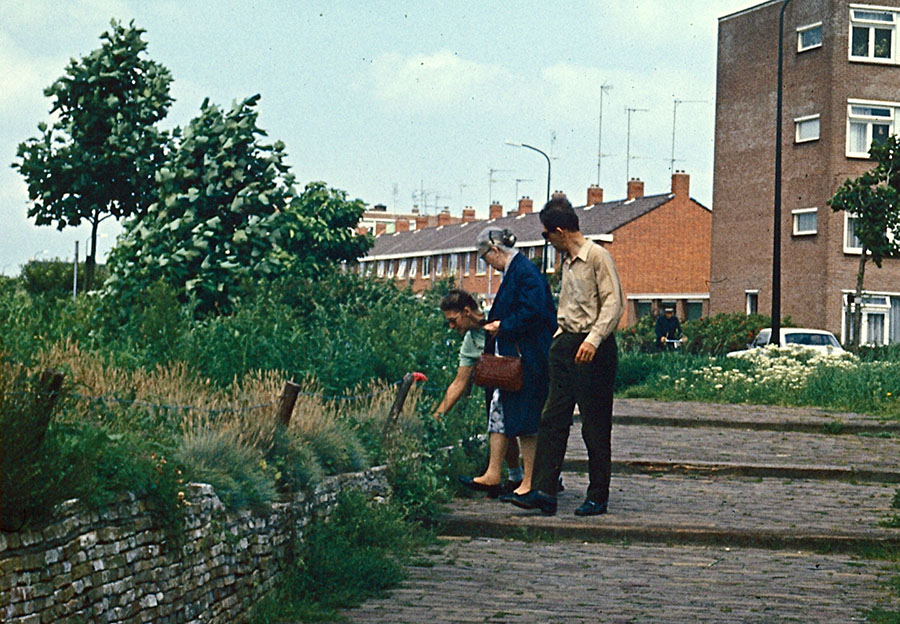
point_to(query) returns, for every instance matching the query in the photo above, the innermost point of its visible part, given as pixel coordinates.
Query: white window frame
(858, 117)
(389, 269)
(426, 267)
(438, 266)
(467, 262)
(805, 29)
(453, 269)
(413, 262)
(401, 269)
(380, 272)
(796, 221)
(848, 248)
(748, 295)
(869, 306)
(552, 258)
(856, 21)
(481, 266)
(802, 122)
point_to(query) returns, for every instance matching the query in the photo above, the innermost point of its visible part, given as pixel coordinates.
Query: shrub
(357, 553)
(721, 333)
(54, 277)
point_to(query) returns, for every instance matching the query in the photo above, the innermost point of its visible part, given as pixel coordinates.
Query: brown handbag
(505, 372)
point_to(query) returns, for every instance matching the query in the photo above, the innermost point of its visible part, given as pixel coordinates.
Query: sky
(399, 103)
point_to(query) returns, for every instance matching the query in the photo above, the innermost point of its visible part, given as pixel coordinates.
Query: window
(693, 310)
(852, 244)
(871, 35)
(551, 258)
(806, 221)
(390, 269)
(481, 267)
(867, 124)
(401, 269)
(426, 267)
(806, 129)
(454, 264)
(467, 262)
(438, 266)
(412, 267)
(809, 37)
(641, 308)
(381, 268)
(752, 300)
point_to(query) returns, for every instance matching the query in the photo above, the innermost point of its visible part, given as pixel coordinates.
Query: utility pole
(674, 113)
(628, 112)
(603, 89)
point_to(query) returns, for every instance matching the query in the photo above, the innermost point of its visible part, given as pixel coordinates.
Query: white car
(817, 339)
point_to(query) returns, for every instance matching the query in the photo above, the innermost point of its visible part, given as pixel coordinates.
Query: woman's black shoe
(493, 491)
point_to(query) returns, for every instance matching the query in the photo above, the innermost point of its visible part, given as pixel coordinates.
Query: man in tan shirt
(583, 360)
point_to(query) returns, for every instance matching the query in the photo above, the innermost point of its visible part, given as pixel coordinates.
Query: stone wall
(115, 566)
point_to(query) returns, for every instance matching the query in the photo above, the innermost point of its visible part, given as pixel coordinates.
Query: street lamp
(541, 152)
(776, 211)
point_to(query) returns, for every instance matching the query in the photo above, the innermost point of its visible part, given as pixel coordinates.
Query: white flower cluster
(786, 367)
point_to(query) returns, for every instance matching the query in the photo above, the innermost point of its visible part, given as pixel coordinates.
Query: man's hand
(585, 353)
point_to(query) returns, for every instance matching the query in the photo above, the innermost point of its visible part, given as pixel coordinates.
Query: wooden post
(286, 402)
(405, 384)
(45, 397)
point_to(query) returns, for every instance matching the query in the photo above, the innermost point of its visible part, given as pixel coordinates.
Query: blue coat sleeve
(531, 301)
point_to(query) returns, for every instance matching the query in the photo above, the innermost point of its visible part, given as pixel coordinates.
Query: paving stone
(495, 580)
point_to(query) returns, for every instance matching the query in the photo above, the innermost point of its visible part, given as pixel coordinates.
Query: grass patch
(358, 553)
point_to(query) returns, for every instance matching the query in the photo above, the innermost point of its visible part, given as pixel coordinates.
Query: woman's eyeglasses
(450, 321)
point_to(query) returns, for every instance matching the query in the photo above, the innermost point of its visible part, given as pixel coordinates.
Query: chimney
(635, 189)
(402, 225)
(379, 208)
(362, 230)
(681, 184)
(421, 222)
(526, 205)
(444, 217)
(558, 195)
(380, 228)
(595, 195)
(468, 214)
(495, 211)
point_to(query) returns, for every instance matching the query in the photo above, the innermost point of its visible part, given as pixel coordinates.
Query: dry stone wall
(116, 566)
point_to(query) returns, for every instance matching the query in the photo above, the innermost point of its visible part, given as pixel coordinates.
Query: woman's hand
(493, 327)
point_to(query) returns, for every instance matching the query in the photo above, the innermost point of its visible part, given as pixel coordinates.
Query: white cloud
(435, 81)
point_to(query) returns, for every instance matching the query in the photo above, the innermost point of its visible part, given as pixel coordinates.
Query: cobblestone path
(718, 513)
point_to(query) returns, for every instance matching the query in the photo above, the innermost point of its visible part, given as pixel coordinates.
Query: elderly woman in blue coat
(521, 321)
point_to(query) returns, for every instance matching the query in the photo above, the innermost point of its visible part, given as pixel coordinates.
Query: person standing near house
(583, 360)
(463, 314)
(668, 327)
(521, 323)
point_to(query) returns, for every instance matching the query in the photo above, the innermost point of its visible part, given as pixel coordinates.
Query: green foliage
(44, 462)
(55, 277)
(99, 157)
(237, 472)
(357, 553)
(294, 462)
(227, 216)
(641, 336)
(721, 333)
(874, 199)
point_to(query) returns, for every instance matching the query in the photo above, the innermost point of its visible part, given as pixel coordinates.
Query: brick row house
(841, 92)
(661, 245)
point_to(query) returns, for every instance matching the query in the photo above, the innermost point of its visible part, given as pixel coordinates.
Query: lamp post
(775, 338)
(541, 152)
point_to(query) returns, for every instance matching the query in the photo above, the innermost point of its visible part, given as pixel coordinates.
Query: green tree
(873, 199)
(98, 159)
(227, 216)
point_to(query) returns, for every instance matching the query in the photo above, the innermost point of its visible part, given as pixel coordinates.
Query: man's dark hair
(458, 299)
(558, 213)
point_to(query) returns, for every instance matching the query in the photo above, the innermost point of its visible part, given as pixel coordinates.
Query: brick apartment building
(378, 220)
(841, 92)
(661, 245)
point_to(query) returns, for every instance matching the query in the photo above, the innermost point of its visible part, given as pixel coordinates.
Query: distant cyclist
(668, 328)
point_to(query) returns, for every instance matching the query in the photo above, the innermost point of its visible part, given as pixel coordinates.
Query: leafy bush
(721, 333)
(54, 277)
(357, 553)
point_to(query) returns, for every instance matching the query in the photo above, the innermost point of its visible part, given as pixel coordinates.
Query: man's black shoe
(591, 508)
(492, 490)
(560, 487)
(535, 499)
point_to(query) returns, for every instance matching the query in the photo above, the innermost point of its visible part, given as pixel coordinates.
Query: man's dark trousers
(590, 386)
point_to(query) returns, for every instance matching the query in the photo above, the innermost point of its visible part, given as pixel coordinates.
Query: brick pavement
(681, 541)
